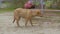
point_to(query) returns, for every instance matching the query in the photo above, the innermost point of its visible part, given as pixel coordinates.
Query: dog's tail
(13, 20)
(14, 17)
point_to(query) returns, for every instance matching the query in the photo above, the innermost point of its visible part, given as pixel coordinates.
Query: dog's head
(38, 13)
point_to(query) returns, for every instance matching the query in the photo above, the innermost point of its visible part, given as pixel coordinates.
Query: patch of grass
(56, 12)
(6, 10)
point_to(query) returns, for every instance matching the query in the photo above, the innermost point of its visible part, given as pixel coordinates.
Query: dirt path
(42, 25)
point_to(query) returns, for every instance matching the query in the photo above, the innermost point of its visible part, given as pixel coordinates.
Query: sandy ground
(43, 25)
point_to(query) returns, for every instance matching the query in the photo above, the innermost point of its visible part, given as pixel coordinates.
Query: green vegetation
(6, 10)
(12, 5)
(56, 12)
(49, 4)
(18, 3)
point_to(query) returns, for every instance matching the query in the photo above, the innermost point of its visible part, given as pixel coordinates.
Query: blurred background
(12, 4)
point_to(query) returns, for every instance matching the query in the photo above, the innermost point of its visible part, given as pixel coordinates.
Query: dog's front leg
(31, 22)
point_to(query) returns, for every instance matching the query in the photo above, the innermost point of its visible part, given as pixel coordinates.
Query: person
(29, 5)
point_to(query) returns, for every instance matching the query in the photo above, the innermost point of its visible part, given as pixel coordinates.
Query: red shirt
(27, 5)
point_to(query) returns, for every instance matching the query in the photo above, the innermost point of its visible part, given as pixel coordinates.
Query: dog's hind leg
(26, 22)
(17, 21)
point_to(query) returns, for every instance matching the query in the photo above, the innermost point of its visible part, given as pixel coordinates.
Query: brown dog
(25, 13)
